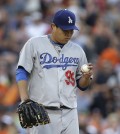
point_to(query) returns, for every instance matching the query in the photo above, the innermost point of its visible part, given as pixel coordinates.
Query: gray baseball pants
(64, 121)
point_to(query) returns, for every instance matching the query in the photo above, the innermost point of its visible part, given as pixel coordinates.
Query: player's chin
(66, 40)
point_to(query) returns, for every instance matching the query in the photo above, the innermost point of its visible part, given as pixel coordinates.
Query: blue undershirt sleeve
(21, 74)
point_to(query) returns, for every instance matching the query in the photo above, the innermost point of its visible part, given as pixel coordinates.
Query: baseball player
(48, 74)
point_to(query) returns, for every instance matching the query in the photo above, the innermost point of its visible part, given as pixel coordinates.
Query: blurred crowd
(99, 36)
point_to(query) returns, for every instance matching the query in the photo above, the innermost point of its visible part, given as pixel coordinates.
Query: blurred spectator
(7, 125)
(113, 124)
(94, 123)
(32, 6)
(37, 27)
(110, 55)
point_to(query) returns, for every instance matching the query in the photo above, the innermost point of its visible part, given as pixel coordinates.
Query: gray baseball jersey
(53, 74)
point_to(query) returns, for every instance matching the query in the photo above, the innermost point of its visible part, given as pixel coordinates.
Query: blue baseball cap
(65, 19)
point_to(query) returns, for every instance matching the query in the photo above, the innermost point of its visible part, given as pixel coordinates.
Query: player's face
(61, 36)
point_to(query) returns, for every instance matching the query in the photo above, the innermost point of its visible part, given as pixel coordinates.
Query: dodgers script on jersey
(53, 75)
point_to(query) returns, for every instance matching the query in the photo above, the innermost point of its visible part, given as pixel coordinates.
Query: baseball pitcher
(48, 74)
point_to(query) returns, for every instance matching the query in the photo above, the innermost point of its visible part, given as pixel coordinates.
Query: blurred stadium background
(99, 36)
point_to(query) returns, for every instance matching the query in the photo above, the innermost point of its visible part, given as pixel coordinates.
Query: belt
(56, 108)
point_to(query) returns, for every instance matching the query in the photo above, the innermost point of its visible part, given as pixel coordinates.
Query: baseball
(84, 68)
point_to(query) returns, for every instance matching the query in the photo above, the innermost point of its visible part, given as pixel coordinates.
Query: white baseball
(84, 68)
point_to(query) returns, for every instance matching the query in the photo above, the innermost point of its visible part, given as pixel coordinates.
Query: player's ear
(53, 26)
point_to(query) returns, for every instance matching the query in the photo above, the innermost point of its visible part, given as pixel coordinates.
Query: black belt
(56, 108)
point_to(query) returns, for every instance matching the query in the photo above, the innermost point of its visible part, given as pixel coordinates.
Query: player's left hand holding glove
(32, 114)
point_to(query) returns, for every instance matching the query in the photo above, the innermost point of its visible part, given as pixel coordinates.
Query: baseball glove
(32, 114)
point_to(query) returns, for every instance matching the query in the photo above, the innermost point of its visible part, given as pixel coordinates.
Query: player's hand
(89, 72)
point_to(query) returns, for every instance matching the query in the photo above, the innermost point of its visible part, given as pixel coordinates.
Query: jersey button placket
(59, 79)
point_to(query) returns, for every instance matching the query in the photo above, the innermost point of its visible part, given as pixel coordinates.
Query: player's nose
(68, 33)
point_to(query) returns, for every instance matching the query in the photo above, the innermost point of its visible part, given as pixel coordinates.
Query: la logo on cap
(70, 20)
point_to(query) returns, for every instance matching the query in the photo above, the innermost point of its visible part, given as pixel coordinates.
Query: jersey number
(70, 78)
